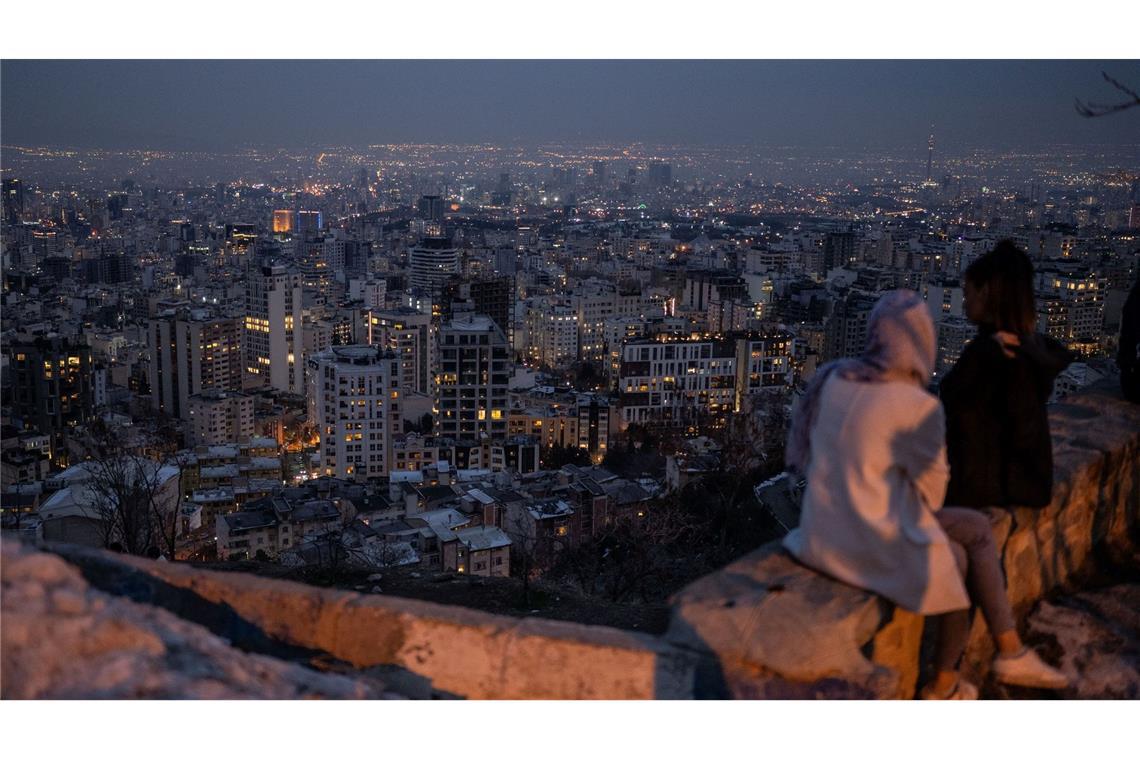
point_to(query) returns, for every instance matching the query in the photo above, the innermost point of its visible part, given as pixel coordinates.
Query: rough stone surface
(897, 646)
(61, 639)
(765, 617)
(1094, 637)
(460, 652)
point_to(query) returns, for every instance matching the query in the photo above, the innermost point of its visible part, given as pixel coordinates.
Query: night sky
(845, 104)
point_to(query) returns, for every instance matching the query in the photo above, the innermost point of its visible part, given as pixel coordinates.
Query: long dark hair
(1006, 273)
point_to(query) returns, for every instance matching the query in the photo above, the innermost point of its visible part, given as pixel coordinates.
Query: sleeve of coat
(921, 454)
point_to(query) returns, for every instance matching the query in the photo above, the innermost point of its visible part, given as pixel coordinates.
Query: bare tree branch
(1093, 110)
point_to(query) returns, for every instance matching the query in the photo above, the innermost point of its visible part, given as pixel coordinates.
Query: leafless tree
(169, 527)
(1092, 110)
(127, 503)
(128, 500)
(524, 548)
(632, 554)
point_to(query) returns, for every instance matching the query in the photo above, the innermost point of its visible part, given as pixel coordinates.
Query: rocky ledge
(1094, 637)
(62, 639)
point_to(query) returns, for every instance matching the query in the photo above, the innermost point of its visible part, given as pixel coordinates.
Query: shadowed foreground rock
(1096, 638)
(419, 648)
(64, 640)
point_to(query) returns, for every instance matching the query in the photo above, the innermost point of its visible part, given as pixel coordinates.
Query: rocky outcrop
(1095, 638)
(438, 649)
(769, 627)
(62, 639)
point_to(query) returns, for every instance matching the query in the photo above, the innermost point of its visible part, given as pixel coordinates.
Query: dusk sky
(846, 104)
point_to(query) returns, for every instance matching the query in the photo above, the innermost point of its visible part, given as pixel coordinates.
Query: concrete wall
(459, 651)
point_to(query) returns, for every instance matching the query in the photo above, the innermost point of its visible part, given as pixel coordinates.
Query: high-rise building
(192, 351)
(13, 201)
(117, 205)
(702, 287)
(491, 296)
(677, 382)
(1070, 306)
(838, 249)
(846, 327)
(929, 157)
(282, 222)
(218, 417)
(272, 341)
(355, 399)
(430, 209)
(51, 387)
(944, 299)
(320, 259)
(551, 331)
(594, 425)
(409, 334)
(763, 362)
(594, 302)
(308, 222)
(953, 335)
(474, 374)
(599, 173)
(432, 263)
(240, 236)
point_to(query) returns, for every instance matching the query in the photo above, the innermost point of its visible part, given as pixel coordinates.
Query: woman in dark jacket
(997, 431)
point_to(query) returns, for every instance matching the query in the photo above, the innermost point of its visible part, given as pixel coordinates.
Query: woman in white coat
(871, 441)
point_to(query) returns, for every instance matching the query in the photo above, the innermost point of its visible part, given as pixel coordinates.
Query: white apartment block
(273, 331)
(354, 398)
(218, 417)
(551, 332)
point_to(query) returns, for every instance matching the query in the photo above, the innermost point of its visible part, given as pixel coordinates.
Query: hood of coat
(901, 336)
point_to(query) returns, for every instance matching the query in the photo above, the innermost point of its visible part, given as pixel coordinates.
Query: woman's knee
(961, 558)
(973, 530)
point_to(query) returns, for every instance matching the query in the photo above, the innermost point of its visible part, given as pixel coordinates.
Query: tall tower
(929, 153)
(471, 395)
(272, 341)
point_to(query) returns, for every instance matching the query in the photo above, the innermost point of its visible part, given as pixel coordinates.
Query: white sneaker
(1025, 668)
(962, 690)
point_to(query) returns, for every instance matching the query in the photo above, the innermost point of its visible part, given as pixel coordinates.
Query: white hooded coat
(877, 471)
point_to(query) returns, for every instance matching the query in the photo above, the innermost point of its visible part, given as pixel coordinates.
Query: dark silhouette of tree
(1093, 110)
(554, 457)
(524, 550)
(646, 554)
(130, 502)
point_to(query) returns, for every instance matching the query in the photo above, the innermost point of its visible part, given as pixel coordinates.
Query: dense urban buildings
(459, 359)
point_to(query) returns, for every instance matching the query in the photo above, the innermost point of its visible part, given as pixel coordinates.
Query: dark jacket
(997, 431)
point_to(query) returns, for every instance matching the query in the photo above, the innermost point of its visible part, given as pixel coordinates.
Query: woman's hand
(1008, 341)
